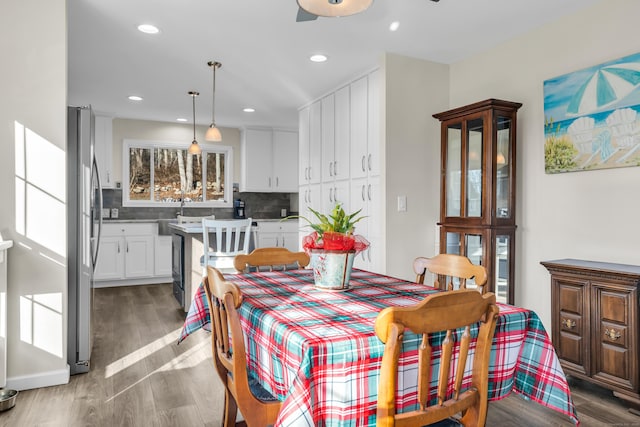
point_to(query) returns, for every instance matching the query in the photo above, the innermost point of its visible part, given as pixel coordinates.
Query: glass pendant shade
(333, 8)
(194, 148)
(213, 134)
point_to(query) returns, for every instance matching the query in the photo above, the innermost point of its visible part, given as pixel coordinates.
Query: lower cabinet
(132, 253)
(279, 234)
(595, 323)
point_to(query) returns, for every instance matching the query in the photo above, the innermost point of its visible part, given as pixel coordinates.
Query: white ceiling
(264, 52)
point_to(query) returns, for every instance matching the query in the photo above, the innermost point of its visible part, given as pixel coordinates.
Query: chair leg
(230, 410)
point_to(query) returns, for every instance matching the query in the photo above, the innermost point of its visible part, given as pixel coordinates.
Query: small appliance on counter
(238, 209)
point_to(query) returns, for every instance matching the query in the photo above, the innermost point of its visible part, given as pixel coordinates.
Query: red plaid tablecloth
(318, 353)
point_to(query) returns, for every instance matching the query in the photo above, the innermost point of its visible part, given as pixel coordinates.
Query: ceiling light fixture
(135, 98)
(318, 58)
(213, 133)
(148, 29)
(194, 148)
(249, 110)
(394, 26)
(181, 119)
(334, 8)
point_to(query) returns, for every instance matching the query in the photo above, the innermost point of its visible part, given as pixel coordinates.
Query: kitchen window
(159, 174)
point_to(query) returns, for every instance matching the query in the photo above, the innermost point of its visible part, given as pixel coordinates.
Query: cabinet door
(285, 161)
(358, 122)
(342, 134)
(615, 334)
(110, 265)
(374, 122)
(257, 160)
(570, 323)
(139, 256)
(162, 254)
(103, 149)
(315, 143)
(268, 240)
(328, 138)
(303, 145)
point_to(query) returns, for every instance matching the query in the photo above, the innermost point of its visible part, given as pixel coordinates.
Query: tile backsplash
(257, 206)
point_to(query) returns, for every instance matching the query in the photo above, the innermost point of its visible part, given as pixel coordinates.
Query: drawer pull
(568, 323)
(612, 334)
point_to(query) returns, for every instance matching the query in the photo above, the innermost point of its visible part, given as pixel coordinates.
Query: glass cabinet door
(472, 249)
(504, 165)
(475, 160)
(454, 169)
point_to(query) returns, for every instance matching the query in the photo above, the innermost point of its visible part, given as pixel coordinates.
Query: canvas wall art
(592, 117)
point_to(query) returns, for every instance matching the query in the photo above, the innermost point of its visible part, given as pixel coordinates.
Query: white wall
(34, 88)
(181, 134)
(589, 215)
(414, 90)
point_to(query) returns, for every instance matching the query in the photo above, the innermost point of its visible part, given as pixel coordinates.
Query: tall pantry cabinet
(339, 150)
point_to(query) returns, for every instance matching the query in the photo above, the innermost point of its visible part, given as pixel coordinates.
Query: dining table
(317, 352)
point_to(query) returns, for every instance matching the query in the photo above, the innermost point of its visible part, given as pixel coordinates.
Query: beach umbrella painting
(604, 87)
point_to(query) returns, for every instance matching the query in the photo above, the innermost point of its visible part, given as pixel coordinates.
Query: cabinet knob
(568, 323)
(612, 334)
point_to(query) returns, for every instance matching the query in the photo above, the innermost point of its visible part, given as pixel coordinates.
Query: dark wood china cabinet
(478, 189)
(594, 323)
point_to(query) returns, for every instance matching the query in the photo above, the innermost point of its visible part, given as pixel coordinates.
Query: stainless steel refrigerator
(84, 223)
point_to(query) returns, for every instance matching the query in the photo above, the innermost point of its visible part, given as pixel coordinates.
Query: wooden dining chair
(448, 311)
(270, 259)
(450, 268)
(223, 240)
(258, 407)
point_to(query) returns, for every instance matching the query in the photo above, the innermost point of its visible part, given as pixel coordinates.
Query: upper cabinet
(103, 149)
(478, 183)
(269, 161)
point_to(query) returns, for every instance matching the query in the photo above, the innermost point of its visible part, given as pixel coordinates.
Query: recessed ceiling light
(249, 110)
(135, 98)
(394, 26)
(148, 29)
(318, 58)
(181, 119)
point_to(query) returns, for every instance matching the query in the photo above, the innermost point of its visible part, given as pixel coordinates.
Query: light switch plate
(114, 213)
(105, 213)
(402, 203)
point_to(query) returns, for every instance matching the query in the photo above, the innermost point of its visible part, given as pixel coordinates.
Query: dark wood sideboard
(595, 323)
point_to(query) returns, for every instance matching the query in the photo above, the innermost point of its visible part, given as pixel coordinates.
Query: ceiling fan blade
(303, 15)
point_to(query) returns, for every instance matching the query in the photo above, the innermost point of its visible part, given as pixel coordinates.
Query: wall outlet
(105, 213)
(114, 213)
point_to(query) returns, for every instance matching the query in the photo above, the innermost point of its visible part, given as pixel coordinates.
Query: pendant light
(194, 148)
(334, 8)
(213, 133)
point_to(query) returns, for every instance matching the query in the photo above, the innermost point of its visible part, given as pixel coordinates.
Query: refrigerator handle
(96, 172)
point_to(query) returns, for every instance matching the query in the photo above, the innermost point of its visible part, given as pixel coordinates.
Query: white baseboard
(44, 379)
(132, 282)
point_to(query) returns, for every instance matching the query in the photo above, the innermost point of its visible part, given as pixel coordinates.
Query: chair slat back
(231, 237)
(270, 259)
(450, 268)
(455, 313)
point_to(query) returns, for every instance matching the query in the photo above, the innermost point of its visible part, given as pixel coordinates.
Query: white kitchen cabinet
(279, 234)
(333, 193)
(366, 195)
(127, 254)
(310, 144)
(162, 255)
(335, 135)
(365, 121)
(104, 149)
(310, 196)
(269, 161)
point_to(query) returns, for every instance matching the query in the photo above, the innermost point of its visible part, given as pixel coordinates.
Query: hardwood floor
(140, 377)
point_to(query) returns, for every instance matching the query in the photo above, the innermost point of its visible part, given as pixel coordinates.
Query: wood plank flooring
(140, 377)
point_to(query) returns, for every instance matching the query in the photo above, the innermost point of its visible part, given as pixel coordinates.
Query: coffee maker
(238, 209)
